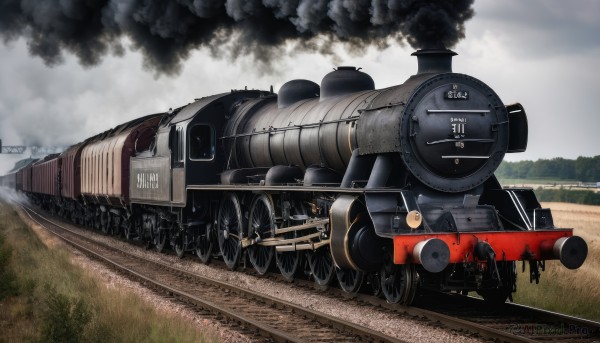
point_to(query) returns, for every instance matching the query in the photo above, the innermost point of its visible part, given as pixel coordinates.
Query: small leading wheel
(261, 226)
(495, 296)
(204, 244)
(321, 266)
(508, 279)
(350, 280)
(230, 230)
(398, 283)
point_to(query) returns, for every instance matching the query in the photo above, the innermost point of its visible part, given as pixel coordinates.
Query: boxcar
(19, 180)
(27, 182)
(105, 160)
(70, 161)
(45, 176)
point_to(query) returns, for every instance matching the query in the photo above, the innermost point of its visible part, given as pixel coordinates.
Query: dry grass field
(51, 298)
(575, 292)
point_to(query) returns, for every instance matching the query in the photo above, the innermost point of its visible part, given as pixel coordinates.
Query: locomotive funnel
(434, 60)
(433, 254)
(571, 251)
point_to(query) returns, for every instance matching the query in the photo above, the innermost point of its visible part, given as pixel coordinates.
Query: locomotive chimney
(434, 60)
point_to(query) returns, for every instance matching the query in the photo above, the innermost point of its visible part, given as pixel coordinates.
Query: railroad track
(273, 319)
(506, 323)
(528, 323)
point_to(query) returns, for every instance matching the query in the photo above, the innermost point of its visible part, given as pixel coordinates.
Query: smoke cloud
(167, 31)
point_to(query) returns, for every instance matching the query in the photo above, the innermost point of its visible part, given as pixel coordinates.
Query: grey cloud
(542, 28)
(166, 32)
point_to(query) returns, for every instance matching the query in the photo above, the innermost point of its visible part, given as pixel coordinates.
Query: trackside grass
(45, 297)
(574, 292)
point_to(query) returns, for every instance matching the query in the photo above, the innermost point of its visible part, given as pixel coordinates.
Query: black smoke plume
(167, 31)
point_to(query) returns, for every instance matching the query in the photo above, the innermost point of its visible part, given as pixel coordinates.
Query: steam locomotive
(391, 188)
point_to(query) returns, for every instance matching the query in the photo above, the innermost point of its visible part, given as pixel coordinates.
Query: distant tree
(565, 168)
(585, 169)
(588, 168)
(566, 195)
(539, 169)
(524, 170)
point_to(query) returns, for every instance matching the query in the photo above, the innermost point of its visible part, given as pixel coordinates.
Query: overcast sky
(544, 54)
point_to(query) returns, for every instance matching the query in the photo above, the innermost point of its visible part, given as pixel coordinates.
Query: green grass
(53, 300)
(8, 278)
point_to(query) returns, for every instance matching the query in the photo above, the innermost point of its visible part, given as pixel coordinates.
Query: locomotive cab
(186, 151)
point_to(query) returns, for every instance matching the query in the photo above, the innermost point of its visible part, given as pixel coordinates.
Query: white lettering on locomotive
(147, 181)
(455, 93)
(458, 126)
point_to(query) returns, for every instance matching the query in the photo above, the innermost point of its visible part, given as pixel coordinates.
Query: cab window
(202, 142)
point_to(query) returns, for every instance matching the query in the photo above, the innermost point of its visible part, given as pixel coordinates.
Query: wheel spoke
(288, 262)
(350, 280)
(398, 283)
(321, 266)
(262, 226)
(228, 230)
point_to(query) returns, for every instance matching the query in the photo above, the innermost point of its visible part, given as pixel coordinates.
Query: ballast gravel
(392, 324)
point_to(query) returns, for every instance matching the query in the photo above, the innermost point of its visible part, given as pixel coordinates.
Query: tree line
(565, 195)
(584, 169)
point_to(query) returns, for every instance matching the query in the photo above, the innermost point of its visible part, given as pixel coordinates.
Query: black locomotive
(394, 186)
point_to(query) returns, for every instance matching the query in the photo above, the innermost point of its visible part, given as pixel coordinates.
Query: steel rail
(453, 320)
(521, 316)
(268, 331)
